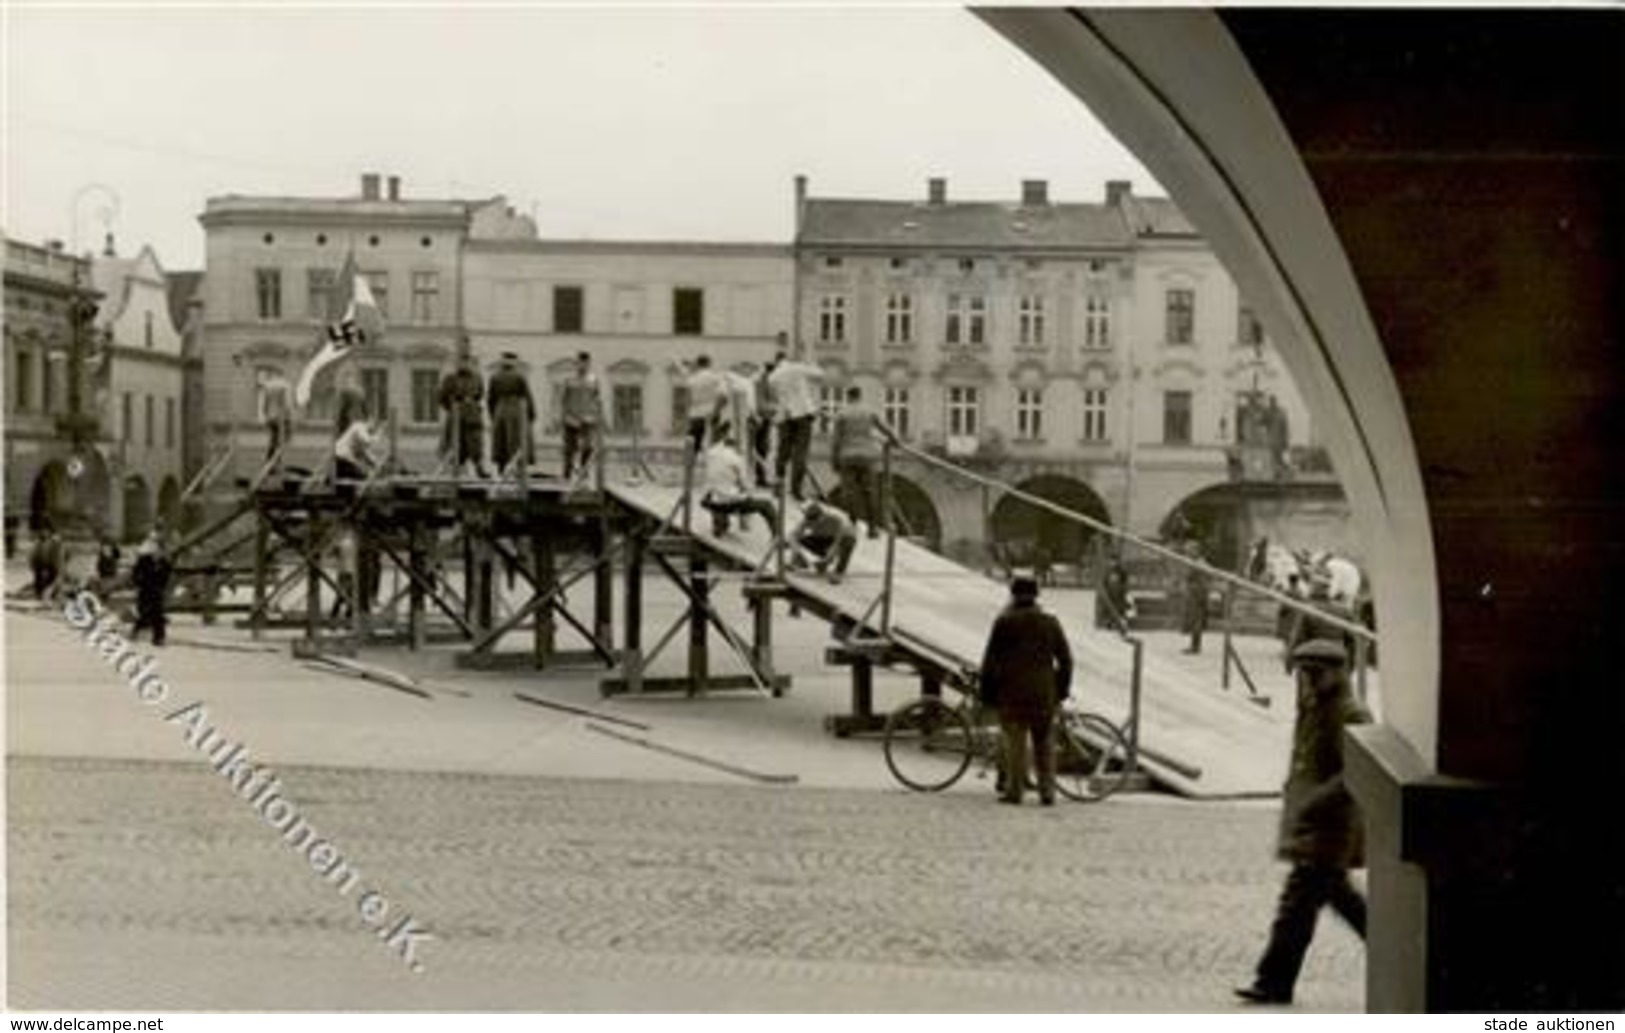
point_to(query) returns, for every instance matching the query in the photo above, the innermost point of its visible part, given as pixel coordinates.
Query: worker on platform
(513, 413)
(582, 399)
(824, 539)
(855, 452)
(350, 405)
(707, 395)
(463, 430)
(793, 393)
(727, 487)
(360, 452)
(275, 403)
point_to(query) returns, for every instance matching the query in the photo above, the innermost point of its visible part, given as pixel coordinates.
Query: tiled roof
(962, 224)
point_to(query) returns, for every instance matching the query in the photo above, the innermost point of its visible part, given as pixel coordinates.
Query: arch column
(1452, 182)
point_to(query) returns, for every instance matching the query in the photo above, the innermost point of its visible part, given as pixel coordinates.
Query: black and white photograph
(764, 508)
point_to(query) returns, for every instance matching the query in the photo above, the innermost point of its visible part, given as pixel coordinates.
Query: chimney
(801, 201)
(369, 186)
(937, 190)
(1118, 191)
(1034, 193)
(108, 250)
(394, 188)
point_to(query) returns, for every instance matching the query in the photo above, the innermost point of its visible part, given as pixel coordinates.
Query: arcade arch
(1029, 535)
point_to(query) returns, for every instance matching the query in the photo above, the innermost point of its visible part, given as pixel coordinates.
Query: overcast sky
(683, 123)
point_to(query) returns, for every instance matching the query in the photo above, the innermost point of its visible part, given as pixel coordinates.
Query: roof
(962, 224)
(1157, 217)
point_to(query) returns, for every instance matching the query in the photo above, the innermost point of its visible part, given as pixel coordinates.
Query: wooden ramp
(1196, 741)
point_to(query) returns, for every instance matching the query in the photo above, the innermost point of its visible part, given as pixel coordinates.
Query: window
(829, 406)
(967, 319)
(23, 396)
(899, 318)
(967, 265)
(626, 408)
(964, 411)
(688, 311)
(568, 308)
(894, 410)
(1030, 324)
(1176, 417)
(1249, 331)
(1180, 316)
(1097, 322)
(146, 328)
(378, 282)
(128, 405)
(169, 423)
(151, 423)
(425, 296)
(1094, 414)
(899, 263)
(319, 287)
(832, 262)
(1029, 414)
(832, 318)
(425, 395)
(268, 292)
(679, 408)
(375, 389)
(48, 392)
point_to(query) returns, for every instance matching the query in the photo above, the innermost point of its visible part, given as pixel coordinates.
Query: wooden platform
(942, 612)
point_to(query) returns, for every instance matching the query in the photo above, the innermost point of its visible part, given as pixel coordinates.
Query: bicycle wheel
(1091, 757)
(928, 745)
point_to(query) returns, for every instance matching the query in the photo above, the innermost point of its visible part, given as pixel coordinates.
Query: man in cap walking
(1321, 831)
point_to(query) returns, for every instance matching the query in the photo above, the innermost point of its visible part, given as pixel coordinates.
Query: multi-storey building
(270, 283)
(142, 395)
(1097, 355)
(46, 479)
(637, 307)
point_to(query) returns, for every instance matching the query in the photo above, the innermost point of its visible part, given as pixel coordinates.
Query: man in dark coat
(1026, 673)
(1196, 593)
(1321, 832)
(464, 435)
(513, 410)
(150, 575)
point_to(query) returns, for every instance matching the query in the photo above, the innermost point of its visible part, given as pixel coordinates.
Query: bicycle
(929, 746)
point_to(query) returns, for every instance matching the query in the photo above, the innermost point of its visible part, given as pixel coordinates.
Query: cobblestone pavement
(140, 885)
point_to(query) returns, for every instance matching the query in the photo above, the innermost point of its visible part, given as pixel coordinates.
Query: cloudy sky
(668, 123)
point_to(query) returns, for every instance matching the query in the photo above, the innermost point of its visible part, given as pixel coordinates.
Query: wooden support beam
(699, 657)
(262, 573)
(544, 576)
(632, 645)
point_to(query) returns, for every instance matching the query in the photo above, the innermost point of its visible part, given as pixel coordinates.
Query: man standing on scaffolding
(792, 387)
(464, 430)
(275, 409)
(513, 411)
(582, 399)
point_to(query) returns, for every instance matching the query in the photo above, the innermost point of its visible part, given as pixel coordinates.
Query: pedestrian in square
(1321, 832)
(1026, 673)
(1196, 598)
(150, 575)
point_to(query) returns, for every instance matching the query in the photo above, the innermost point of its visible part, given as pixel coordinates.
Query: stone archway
(916, 513)
(137, 507)
(1027, 535)
(1392, 175)
(50, 501)
(169, 504)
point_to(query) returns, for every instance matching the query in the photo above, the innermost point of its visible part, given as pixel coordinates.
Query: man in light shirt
(706, 390)
(727, 491)
(359, 451)
(792, 387)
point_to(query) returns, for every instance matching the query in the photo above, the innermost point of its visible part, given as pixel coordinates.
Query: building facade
(269, 288)
(637, 307)
(48, 479)
(1096, 355)
(142, 395)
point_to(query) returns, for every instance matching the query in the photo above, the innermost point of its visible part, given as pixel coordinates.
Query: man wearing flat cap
(513, 411)
(1321, 830)
(1026, 673)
